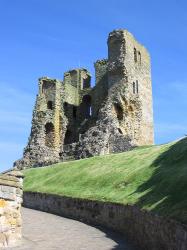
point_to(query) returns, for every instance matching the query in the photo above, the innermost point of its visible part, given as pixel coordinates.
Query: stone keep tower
(73, 120)
(129, 69)
(46, 133)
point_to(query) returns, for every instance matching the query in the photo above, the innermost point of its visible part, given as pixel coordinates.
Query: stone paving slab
(43, 231)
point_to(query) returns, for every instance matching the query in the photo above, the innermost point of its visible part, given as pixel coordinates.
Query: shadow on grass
(166, 190)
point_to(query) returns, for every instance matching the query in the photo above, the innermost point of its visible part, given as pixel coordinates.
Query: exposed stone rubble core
(73, 120)
(10, 208)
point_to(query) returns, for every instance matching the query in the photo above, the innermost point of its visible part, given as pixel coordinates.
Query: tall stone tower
(73, 120)
(129, 70)
(46, 133)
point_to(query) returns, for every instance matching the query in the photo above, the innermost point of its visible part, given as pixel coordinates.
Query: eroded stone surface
(10, 208)
(72, 120)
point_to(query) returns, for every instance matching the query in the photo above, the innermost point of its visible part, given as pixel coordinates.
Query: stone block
(10, 208)
(8, 193)
(3, 203)
(3, 240)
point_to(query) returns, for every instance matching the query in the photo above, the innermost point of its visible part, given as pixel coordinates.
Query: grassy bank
(153, 178)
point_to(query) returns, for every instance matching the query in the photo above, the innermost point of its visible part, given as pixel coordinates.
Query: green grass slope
(153, 178)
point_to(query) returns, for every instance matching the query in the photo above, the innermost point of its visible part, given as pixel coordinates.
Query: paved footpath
(43, 231)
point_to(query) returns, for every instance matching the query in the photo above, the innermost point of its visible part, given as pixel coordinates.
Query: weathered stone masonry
(10, 208)
(73, 120)
(146, 230)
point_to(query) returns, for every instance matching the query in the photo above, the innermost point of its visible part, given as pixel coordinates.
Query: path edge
(145, 229)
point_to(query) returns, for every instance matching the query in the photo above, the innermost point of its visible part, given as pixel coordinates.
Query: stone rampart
(144, 229)
(10, 208)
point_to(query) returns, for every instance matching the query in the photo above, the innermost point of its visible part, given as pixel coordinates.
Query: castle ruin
(72, 120)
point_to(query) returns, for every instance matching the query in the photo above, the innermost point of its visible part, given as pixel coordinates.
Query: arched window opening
(68, 137)
(86, 82)
(65, 104)
(90, 112)
(139, 57)
(49, 134)
(134, 88)
(137, 87)
(135, 55)
(86, 106)
(50, 105)
(74, 112)
(119, 111)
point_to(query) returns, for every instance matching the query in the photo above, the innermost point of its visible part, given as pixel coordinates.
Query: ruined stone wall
(10, 208)
(76, 82)
(70, 90)
(73, 102)
(48, 126)
(139, 74)
(72, 119)
(144, 229)
(129, 67)
(84, 79)
(124, 114)
(100, 91)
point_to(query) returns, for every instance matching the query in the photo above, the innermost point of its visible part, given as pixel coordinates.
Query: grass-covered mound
(154, 178)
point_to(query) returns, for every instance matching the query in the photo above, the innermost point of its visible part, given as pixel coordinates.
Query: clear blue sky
(47, 37)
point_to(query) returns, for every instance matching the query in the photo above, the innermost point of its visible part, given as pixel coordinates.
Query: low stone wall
(147, 231)
(10, 207)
